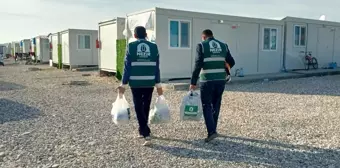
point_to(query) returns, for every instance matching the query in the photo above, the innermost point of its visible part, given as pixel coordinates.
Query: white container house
(33, 42)
(108, 32)
(320, 37)
(42, 47)
(25, 46)
(8, 49)
(79, 47)
(55, 41)
(255, 44)
(3, 50)
(15, 47)
(51, 49)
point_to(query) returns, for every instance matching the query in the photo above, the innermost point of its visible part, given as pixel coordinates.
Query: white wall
(320, 40)
(108, 36)
(82, 56)
(337, 47)
(55, 43)
(325, 49)
(245, 43)
(65, 47)
(174, 63)
(42, 52)
(16, 47)
(109, 33)
(26, 46)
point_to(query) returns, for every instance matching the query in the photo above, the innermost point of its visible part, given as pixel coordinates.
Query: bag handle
(120, 96)
(192, 93)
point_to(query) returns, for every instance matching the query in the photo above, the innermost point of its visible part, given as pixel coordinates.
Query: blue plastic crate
(333, 65)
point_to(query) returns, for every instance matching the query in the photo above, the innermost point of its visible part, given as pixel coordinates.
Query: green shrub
(121, 49)
(60, 61)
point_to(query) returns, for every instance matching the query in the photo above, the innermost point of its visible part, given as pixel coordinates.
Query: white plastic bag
(191, 107)
(160, 113)
(120, 111)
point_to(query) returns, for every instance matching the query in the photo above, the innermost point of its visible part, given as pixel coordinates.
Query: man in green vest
(141, 72)
(211, 59)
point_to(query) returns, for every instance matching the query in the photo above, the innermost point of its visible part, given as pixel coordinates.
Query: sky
(24, 19)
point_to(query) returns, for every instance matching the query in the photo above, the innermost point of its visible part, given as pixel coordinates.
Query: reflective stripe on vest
(143, 63)
(212, 71)
(142, 77)
(210, 59)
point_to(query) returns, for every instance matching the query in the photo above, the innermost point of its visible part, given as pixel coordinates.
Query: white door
(65, 48)
(55, 43)
(336, 56)
(108, 53)
(45, 50)
(325, 47)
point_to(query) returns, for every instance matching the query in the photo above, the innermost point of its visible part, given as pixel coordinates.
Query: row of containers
(39, 45)
(259, 46)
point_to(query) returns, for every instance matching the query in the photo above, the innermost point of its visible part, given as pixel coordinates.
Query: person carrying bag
(142, 74)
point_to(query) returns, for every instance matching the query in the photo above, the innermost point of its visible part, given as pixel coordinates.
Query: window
(300, 35)
(179, 36)
(269, 39)
(84, 42)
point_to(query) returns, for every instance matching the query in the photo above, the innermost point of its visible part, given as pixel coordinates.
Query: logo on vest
(215, 47)
(143, 50)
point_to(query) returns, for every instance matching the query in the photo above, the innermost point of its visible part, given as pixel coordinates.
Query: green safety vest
(144, 55)
(214, 53)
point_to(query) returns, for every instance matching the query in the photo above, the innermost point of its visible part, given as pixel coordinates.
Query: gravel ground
(44, 122)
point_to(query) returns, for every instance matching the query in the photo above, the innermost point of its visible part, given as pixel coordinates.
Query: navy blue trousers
(142, 99)
(211, 97)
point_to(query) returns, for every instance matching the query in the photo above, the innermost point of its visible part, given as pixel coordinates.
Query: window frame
(179, 34)
(84, 41)
(277, 34)
(301, 26)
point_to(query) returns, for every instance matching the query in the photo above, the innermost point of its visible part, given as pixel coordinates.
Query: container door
(37, 49)
(325, 47)
(108, 53)
(45, 47)
(336, 56)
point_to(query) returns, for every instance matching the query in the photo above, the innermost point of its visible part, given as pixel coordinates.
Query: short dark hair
(207, 32)
(140, 32)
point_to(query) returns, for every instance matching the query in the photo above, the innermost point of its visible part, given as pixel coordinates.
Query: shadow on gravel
(6, 86)
(12, 64)
(14, 111)
(255, 152)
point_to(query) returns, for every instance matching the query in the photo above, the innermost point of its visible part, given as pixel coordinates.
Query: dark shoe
(211, 137)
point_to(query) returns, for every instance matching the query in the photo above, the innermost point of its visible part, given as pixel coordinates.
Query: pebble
(2, 154)
(55, 166)
(92, 143)
(25, 133)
